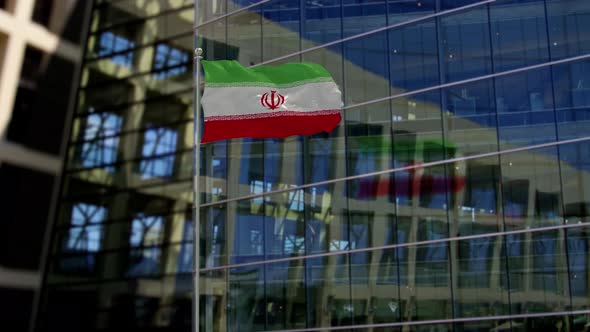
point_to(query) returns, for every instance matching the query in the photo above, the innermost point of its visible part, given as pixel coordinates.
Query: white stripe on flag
(230, 101)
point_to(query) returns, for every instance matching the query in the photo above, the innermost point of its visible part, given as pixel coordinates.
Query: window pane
(465, 49)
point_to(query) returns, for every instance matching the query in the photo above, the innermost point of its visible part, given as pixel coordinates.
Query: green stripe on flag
(228, 73)
(269, 85)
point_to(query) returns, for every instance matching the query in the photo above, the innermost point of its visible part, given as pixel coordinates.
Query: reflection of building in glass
(465, 235)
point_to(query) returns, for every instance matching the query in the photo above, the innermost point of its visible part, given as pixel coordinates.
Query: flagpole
(196, 189)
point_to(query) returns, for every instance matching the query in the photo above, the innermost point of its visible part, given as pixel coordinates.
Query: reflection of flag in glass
(404, 183)
(268, 101)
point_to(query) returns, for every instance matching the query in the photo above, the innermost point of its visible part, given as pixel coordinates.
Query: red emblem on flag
(272, 100)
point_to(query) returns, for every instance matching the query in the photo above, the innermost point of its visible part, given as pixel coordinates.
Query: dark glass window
(24, 202)
(42, 11)
(41, 102)
(16, 306)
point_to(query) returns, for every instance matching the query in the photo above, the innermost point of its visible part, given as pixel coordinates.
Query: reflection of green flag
(407, 149)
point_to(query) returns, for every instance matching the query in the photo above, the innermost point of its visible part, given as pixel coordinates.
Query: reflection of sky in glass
(296, 202)
(158, 141)
(294, 244)
(111, 43)
(85, 233)
(99, 151)
(166, 57)
(146, 230)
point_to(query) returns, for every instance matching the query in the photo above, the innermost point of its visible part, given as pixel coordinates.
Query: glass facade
(473, 111)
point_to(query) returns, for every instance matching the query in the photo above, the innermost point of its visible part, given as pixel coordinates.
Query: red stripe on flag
(270, 127)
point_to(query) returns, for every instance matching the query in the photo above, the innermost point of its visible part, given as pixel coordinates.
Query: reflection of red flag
(409, 185)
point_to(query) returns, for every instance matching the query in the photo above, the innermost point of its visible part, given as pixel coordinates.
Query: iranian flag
(268, 101)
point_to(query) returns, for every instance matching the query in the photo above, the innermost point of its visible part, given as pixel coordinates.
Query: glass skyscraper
(453, 196)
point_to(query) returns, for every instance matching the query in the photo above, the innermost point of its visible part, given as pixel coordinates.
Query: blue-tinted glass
(146, 235)
(84, 237)
(366, 68)
(158, 150)
(322, 22)
(548, 274)
(214, 163)
(403, 10)
(465, 45)
(169, 61)
(578, 247)
(362, 15)
(519, 34)
(525, 108)
(471, 118)
(85, 234)
(569, 27)
(100, 146)
(413, 57)
(215, 236)
(280, 28)
(111, 43)
(285, 232)
(452, 4)
(572, 98)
